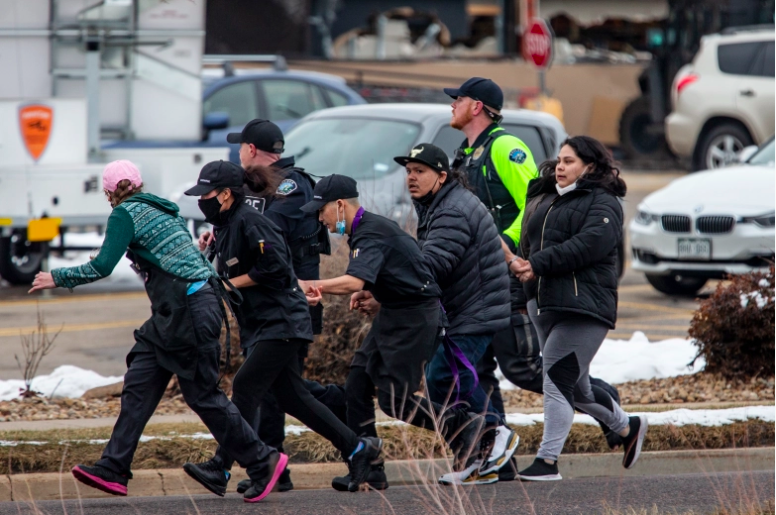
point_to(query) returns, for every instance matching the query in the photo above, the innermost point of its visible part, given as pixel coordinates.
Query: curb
(167, 482)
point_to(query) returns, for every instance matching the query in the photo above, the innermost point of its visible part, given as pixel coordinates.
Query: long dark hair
(604, 173)
(261, 180)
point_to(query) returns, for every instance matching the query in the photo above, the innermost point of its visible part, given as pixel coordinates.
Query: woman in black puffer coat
(571, 230)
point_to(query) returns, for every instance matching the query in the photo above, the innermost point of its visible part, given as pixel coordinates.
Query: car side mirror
(215, 120)
(746, 153)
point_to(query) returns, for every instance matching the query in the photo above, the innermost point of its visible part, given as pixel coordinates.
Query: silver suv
(724, 100)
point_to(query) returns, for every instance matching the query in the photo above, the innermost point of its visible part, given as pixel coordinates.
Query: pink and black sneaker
(101, 479)
(260, 489)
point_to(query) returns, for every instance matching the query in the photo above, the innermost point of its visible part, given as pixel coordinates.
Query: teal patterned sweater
(151, 228)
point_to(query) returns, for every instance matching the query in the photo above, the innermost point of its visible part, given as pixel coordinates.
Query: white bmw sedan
(707, 225)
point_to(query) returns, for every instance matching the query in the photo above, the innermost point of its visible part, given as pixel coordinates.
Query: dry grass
(401, 442)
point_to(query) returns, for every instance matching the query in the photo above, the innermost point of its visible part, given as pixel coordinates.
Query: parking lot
(97, 320)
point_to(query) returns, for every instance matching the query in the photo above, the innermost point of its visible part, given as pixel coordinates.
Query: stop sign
(537, 44)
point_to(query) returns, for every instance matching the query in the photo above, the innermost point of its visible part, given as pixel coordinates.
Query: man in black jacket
(386, 263)
(462, 248)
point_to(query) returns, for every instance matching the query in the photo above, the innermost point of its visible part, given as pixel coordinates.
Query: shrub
(734, 328)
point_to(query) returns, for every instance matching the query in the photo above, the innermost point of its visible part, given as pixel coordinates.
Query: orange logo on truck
(35, 123)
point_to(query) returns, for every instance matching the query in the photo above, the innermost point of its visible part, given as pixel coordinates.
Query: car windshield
(361, 148)
(764, 156)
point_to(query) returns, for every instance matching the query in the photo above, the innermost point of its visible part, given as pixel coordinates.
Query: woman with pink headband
(181, 337)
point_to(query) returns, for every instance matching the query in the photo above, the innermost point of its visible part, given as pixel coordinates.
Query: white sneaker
(469, 476)
(504, 447)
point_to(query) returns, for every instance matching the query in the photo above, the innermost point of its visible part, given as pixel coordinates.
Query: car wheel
(20, 260)
(720, 146)
(636, 138)
(676, 284)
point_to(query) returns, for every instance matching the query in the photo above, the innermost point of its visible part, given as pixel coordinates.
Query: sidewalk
(169, 482)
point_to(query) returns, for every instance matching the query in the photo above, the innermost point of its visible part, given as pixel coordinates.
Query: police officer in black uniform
(288, 188)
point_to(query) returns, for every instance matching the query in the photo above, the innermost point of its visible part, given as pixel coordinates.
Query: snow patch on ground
(64, 381)
(619, 361)
(679, 417)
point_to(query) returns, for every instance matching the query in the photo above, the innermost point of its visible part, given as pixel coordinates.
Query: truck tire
(676, 284)
(20, 260)
(719, 146)
(635, 138)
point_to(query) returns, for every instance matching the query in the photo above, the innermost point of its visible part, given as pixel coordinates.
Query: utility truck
(85, 82)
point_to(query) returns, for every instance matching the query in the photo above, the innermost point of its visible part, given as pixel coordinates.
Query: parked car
(707, 225)
(285, 97)
(724, 100)
(361, 142)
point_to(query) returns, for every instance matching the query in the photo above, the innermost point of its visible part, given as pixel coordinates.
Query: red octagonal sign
(537, 44)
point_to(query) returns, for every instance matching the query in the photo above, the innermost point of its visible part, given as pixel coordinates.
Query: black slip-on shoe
(210, 474)
(261, 487)
(635, 439)
(540, 470)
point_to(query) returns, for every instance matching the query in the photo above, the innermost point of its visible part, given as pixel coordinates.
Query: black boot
(366, 454)
(376, 479)
(210, 474)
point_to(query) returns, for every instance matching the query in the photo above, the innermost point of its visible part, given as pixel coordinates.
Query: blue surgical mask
(340, 225)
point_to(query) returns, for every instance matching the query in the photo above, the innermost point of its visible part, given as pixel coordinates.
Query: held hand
(43, 281)
(523, 270)
(314, 296)
(205, 239)
(368, 307)
(357, 297)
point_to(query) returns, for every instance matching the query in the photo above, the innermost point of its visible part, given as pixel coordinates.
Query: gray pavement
(97, 320)
(701, 493)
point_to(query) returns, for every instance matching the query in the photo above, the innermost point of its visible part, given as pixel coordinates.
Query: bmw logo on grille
(699, 208)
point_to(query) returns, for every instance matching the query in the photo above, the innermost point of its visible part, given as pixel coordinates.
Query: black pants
(516, 349)
(271, 424)
(391, 359)
(146, 381)
(272, 365)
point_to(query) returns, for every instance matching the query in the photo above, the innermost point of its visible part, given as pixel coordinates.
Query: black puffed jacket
(573, 252)
(462, 248)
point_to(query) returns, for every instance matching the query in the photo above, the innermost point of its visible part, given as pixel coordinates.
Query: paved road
(97, 320)
(675, 494)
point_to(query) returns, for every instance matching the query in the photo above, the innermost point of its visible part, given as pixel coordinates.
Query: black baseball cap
(478, 88)
(330, 188)
(217, 174)
(264, 134)
(427, 154)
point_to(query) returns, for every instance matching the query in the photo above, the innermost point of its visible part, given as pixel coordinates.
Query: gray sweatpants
(569, 342)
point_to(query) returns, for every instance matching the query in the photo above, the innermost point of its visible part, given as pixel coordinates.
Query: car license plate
(694, 248)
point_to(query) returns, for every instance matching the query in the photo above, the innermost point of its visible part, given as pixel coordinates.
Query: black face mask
(211, 208)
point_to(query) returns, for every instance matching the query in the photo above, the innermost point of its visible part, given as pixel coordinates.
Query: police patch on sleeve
(518, 156)
(286, 187)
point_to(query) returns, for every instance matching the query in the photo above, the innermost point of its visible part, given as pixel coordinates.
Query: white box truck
(86, 82)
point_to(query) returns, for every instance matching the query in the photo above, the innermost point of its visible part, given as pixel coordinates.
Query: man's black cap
(484, 90)
(218, 174)
(427, 154)
(330, 188)
(264, 134)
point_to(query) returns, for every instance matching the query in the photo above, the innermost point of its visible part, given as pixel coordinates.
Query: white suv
(724, 100)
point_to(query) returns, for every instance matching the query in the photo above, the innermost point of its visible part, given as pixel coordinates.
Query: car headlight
(766, 221)
(645, 218)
